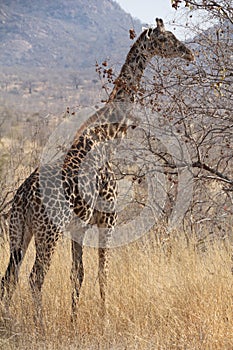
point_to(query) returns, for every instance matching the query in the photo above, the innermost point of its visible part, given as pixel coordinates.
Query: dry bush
(170, 296)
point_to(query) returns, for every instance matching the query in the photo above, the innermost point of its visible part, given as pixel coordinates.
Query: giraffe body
(52, 196)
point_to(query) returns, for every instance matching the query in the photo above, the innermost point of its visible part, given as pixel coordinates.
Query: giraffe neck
(112, 120)
(127, 83)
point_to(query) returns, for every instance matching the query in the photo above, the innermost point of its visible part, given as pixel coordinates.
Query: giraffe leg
(44, 253)
(106, 220)
(105, 235)
(103, 276)
(77, 275)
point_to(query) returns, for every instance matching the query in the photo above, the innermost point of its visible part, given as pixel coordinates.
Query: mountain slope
(62, 34)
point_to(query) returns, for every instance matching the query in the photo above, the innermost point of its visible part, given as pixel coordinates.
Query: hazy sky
(148, 10)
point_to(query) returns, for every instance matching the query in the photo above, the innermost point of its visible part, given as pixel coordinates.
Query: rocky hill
(62, 33)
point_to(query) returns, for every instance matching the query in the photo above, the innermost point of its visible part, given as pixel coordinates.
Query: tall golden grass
(161, 296)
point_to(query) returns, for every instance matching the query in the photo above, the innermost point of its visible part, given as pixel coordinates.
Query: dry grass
(160, 297)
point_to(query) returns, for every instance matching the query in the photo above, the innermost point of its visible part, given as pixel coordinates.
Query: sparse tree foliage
(220, 9)
(196, 102)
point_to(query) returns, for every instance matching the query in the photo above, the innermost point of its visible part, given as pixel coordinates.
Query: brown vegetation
(163, 295)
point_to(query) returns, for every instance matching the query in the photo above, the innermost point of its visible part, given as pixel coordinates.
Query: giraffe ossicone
(68, 187)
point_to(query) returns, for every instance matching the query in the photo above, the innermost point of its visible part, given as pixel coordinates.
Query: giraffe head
(158, 41)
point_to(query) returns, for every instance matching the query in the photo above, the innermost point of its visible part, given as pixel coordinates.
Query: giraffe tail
(18, 239)
(10, 278)
(11, 274)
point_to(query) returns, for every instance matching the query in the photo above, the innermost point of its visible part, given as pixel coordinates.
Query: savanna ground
(168, 294)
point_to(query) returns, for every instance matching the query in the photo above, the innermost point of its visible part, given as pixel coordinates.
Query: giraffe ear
(160, 25)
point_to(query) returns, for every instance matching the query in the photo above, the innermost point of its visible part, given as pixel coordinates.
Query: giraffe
(50, 198)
